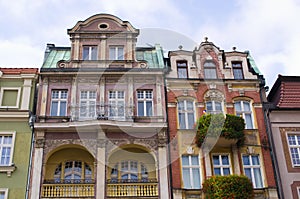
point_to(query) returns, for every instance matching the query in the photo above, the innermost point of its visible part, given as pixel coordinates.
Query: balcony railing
(101, 112)
(68, 190)
(132, 189)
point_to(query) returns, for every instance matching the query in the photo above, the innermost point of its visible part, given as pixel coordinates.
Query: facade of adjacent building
(283, 111)
(101, 128)
(208, 80)
(17, 89)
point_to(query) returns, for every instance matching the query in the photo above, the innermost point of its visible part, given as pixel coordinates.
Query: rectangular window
(214, 107)
(87, 104)
(3, 193)
(294, 146)
(191, 172)
(145, 102)
(186, 114)
(221, 164)
(116, 53)
(237, 70)
(6, 148)
(243, 108)
(210, 71)
(59, 102)
(252, 170)
(182, 69)
(10, 97)
(116, 104)
(89, 53)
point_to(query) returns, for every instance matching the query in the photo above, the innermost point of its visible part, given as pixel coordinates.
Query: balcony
(120, 189)
(68, 189)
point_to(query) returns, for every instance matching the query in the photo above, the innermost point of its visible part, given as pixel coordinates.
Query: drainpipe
(31, 120)
(266, 111)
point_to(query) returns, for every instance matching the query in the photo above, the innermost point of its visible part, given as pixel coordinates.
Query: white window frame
(5, 191)
(188, 124)
(114, 100)
(190, 167)
(90, 52)
(243, 113)
(144, 100)
(221, 166)
(116, 50)
(208, 68)
(182, 65)
(213, 104)
(237, 66)
(12, 145)
(59, 100)
(3, 89)
(295, 146)
(252, 167)
(89, 102)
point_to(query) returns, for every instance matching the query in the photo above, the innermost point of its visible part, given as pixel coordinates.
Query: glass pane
(54, 107)
(141, 109)
(191, 120)
(85, 54)
(216, 160)
(225, 160)
(238, 73)
(255, 160)
(149, 108)
(180, 105)
(196, 178)
(292, 140)
(237, 106)
(63, 108)
(186, 178)
(185, 160)
(189, 105)
(248, 120)
(94, 53)
(7, 140)
(5, 156)
(182, 72)
(248, 173)
(257, 177)
(209, 106)
(210, 73)
(120, 53)
(181, 119)
(217, 171)
(247, 106)
(218, 106)
(64, 94)
(2, 194)
(246, 160)
(195, 160)
(226, 171)
(112, 53)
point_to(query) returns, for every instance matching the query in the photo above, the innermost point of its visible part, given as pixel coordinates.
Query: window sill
(7, 169)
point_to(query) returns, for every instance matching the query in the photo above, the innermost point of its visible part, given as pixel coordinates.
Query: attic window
(103, 26)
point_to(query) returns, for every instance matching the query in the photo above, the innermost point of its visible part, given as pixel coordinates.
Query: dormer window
(237, 70)
(116, 53)
(210, 71)
(182, 69)
(89, 53)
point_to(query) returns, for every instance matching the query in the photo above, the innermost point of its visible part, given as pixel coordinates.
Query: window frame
(244, 113)
(208, 69)
(181, 67)
(190, 168)
(116, 100)
(91, 50)
(144, 100)
(237, 66)
(5, 191)
(3, 89)
(89, 103)
(116, 52)
(252, 167)
(59, 100)
(213, 105)
(186, 112)
(12, 145)
(221, 166)
(297, 146)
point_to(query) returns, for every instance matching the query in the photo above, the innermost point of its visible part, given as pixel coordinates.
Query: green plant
(228, 187)
(230, 127)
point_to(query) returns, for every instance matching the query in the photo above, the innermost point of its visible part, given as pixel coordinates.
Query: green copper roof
(253, 64)
(153, 56)
(55, 55)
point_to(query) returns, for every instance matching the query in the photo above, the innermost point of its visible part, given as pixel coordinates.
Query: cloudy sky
(269, 29)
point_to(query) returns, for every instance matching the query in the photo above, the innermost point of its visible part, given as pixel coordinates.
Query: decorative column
(26, 94)
(236, 160)
(37, 165)
(44, 97)
(163, 165)
(100, 178)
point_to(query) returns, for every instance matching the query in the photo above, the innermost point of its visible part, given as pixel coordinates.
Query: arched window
(214, 101)
(73, 172)
(210, 71)
(243, 109)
